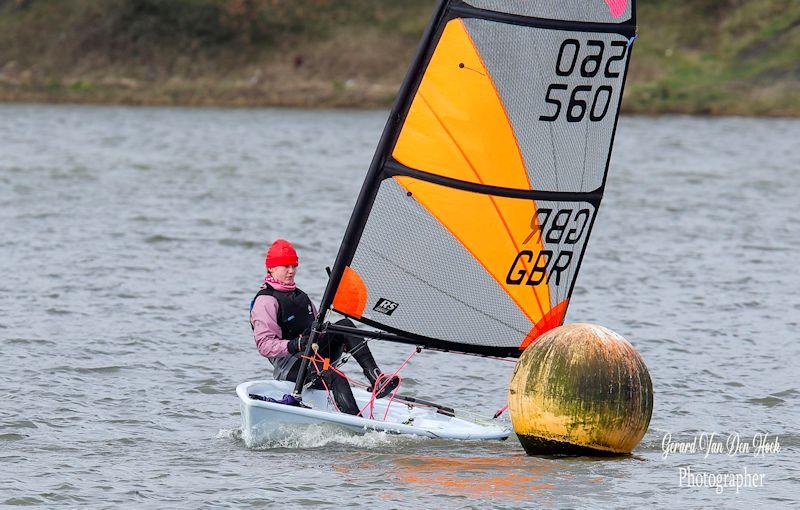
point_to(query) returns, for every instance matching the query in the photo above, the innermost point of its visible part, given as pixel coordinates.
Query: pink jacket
(264, 318)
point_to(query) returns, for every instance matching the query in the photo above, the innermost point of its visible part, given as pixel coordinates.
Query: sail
(471, 225)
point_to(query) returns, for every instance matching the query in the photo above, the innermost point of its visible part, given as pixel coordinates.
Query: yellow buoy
(580, 389)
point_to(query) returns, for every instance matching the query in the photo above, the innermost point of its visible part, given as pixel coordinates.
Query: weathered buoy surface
(580, 389)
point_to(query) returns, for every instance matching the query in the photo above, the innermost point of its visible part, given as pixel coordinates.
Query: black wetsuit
(295, 318)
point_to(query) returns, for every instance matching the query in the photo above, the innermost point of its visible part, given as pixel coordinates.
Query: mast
(368, 188)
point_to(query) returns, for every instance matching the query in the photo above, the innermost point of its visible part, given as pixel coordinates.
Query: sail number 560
(583, 99)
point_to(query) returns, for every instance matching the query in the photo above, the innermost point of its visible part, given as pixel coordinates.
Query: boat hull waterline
(263, 422)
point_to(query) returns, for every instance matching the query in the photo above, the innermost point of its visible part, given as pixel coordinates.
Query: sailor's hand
(323, 342)
(297, 345)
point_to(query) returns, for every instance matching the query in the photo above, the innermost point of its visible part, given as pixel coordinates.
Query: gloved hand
(298, 344)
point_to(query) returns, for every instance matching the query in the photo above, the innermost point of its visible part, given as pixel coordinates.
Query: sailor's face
(284, 274)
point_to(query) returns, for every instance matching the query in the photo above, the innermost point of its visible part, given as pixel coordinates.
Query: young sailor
(281, 316)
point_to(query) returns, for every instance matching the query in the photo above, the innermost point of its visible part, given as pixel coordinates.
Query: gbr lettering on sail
(585, 73)
(560, 232)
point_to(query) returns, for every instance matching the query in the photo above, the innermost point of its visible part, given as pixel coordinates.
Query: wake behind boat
(264, 421)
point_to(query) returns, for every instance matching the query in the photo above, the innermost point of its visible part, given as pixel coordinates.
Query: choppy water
(133, 240)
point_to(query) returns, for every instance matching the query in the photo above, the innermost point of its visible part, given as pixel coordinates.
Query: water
(133, 241)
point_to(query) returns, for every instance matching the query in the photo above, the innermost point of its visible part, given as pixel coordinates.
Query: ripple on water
(58, 311)
(108, 369)
(21, 424)
(160, 238)
(770, 401)
(30, 341)
(13, 437)
(24, 501)
(240, 243)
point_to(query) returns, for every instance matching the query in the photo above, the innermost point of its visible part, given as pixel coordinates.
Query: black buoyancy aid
(295, 313)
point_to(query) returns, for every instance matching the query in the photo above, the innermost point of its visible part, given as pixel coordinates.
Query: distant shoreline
(708, 57)
(319, 96)
(320, 99)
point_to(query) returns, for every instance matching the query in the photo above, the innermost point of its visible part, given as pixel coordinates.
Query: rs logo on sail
(558, 232)
(385, 306)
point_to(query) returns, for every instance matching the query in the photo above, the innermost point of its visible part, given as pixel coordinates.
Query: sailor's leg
(331, 346)
(291, 376)
(360, 351)
(310, 376)
(342, 394)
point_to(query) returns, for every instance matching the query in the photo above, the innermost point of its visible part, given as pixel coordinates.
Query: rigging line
(379, 387)
(370, 403)
(451, 296)
(376, 388)
(405, 399)
(494, 205)
(499, 412)
(333, 365)
(348, 354)
(349, 379)
(327, 391)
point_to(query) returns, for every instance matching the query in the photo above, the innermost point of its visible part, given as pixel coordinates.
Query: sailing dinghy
(264, 421)
(473, 219)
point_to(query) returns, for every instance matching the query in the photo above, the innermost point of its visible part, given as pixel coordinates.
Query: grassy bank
(716, 57)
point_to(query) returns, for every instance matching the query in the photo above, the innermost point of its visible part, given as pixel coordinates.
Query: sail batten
(393, 168)
(474, 219)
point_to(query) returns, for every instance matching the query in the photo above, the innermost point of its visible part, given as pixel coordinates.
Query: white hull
(267, 421)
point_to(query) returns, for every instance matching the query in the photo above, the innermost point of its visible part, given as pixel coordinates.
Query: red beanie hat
(281, 253)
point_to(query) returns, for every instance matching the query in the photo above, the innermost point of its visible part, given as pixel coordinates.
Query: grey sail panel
(569, 152)
(407, 257)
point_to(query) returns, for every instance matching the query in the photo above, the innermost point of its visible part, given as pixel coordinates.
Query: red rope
(394, 392)
(376, 388)
(327, 390)
(351, 381)
(500, 411)
(380, 383)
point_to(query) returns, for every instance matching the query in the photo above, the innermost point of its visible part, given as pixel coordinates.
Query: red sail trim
(351, 295)
(552, 319)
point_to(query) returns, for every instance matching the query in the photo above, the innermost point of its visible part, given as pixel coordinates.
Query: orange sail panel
(457, 126)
